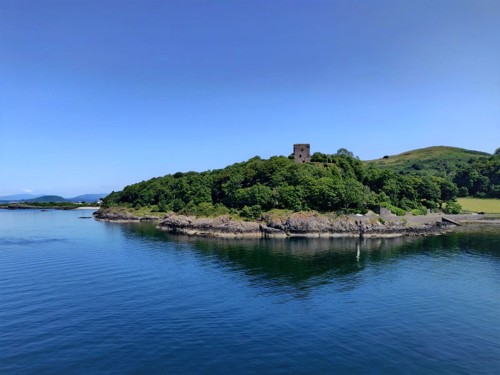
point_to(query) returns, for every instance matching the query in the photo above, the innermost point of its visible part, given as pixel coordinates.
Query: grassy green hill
(437, 160)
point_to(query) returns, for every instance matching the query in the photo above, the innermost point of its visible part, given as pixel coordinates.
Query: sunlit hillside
(430, 160)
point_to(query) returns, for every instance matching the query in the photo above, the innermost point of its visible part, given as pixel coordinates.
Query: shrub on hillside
(251, 213)
(453, 208)
(419, 211)
(395, 210)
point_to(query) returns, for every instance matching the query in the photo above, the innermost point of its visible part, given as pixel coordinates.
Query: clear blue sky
(96, 95)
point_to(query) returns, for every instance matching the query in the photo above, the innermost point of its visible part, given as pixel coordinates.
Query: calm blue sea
(82, 297)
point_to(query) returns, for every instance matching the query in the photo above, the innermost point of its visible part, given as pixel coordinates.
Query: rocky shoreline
(299, 224)
(120, 216)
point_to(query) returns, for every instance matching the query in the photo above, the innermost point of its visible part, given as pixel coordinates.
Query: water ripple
(91, 297)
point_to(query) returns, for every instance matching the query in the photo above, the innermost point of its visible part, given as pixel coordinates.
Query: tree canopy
(337, 182)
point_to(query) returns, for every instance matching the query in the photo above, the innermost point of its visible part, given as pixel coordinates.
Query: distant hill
(437, 160)
(88, 198)
(47, 199)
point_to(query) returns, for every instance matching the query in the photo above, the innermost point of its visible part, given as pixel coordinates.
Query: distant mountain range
(87, 198)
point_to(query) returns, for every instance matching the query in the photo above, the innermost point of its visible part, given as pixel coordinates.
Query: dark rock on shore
(300, 224)
(120, 216)
(304, 224)
(222, 226)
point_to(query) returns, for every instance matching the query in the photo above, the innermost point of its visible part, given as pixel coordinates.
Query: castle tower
(302, 153)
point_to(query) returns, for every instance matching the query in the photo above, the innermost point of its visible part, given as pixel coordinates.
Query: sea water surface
(80, 296)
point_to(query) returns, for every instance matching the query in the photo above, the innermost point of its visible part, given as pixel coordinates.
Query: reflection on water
(305, 263)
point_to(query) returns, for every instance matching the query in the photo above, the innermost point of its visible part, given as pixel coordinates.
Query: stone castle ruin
(302, 153)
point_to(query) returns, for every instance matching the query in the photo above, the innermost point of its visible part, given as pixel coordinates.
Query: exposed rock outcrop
(222, 226)
(121, 216)
(302, 224)
(305, 224)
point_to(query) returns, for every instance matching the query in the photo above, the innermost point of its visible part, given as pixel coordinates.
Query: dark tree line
(479, 178)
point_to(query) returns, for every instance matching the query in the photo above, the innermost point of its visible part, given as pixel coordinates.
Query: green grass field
(489, 206)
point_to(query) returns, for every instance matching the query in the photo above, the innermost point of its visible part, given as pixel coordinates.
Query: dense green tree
(291, 197)
(344, 152)
(325, 194)
(449, 190)
(258, 194)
